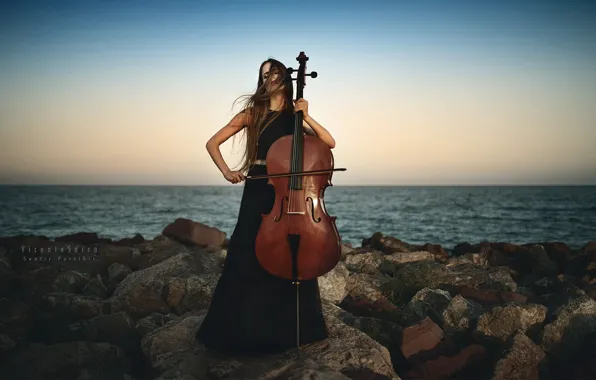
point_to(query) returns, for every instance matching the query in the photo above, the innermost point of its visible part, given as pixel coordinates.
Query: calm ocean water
(441, 215)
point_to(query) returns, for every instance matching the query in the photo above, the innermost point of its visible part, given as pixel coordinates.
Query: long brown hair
(256, 107)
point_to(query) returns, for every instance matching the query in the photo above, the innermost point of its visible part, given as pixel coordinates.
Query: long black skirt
(252, 311)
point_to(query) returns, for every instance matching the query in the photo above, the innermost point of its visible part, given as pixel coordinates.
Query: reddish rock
(389, 245)
(362, 306)
(137, 239)
(423, 336)
(488, 296)
(523, 259)
(560, 253)
(444, 366)
(507, 247)
(589, 248)
(189, 232)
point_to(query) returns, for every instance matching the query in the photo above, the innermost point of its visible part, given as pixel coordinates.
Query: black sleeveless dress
(251, 311)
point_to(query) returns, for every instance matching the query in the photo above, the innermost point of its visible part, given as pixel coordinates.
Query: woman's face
(271, 77)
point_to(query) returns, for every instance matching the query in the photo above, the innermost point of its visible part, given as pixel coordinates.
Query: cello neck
(297, 159)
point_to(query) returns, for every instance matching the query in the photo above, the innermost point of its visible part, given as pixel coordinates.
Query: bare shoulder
(241, 119)
(235, 125)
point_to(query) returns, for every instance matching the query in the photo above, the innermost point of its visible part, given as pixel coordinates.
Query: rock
(174, 353)
(428, 274)
(414, 277)
(391, 308)
(118, 272)
(365, 299)
(347, 250)
(421, 337)
(409, 257)
(460, 315)
(65, 360)
(546, 285)
(117, 329)
(559, 253)
(332, 285)
(144, 291)
(71, 307)
(523, 260)
(44, 256)
(388, 334)
(189, 232)
(82, 238)
(542, 263)
(429, 302)
(466, 248)
(390, 245)
(111, 254)
(176, 335)
(375, 263)
(6, 344)
(443, 367)
(190, 293)
(137, 239)
(5, 276)
(305, 369)
(387, 245)
(504, 322)
(588, 248)
(351, 352)
(95, 287)
(573, 317)
(56, 311)
(16, 318)
(583, 265)
(523, 360)
(582, 365)
(590, 291)
(380, 308)
(437, 251)
(271, 368)
(368, 263)
(70, 281)
(153, 321)
(490, 296)
(495, 278)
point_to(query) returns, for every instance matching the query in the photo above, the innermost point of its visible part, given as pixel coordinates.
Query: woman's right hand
(234, 176)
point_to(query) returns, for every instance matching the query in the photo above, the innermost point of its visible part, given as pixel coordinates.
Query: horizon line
(343, 185)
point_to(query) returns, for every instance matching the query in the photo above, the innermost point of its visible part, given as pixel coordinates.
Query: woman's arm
(313, 128)
(234, 126)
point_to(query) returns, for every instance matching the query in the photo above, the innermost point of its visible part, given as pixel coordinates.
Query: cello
(297, 239)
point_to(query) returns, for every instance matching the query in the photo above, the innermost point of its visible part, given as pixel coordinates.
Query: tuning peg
(313, 74)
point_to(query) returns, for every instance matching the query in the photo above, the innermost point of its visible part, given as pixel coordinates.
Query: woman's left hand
(301, 105)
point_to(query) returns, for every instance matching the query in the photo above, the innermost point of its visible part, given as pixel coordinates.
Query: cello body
(297, 239)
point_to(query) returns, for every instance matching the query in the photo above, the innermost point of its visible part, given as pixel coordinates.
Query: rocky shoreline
(83, 308)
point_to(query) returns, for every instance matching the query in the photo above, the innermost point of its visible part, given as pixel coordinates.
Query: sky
(414, 92)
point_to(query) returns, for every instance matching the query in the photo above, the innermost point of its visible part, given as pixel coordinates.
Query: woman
(252, 311)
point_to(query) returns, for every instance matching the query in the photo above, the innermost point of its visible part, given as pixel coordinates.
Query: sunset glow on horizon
(414, 93)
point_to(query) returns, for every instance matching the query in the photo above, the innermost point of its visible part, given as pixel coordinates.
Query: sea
(445, 215)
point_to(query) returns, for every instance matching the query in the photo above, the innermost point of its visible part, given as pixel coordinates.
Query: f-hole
(281, 209)
(312, 210)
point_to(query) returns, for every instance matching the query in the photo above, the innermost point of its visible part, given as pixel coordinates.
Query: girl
(252, 311)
